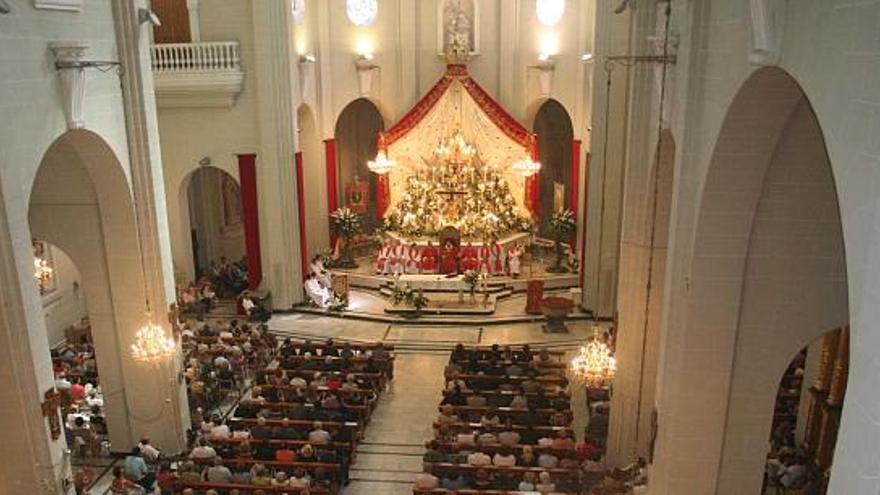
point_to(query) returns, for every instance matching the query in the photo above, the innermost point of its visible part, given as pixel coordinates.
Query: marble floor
(390, 455)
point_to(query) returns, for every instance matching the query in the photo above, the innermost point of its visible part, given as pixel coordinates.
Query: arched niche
(467, 10)
(212, 200)
(64, 302)
(767, 277)
(555, 134)
(357, 133)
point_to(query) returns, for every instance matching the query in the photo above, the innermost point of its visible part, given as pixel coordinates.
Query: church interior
(439, 247)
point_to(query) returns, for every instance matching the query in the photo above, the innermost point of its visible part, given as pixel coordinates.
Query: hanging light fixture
(526, 167)
(151, 344)
(381, 165)
(43, 273)
(595, 364)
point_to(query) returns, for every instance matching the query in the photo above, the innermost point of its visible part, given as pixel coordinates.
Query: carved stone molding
(545, 69)
(68, 5)
(366, 69)
(767, 26)
(72, 80)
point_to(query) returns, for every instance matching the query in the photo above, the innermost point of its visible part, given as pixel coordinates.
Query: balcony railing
(204, 56)
(197, 75)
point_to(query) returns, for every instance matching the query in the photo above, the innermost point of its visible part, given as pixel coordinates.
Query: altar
(505, 241)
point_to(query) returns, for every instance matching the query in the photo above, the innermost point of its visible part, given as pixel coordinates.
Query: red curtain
(301, 202)
(247, 172)
(383, 195)
(332, 194)
(533, 186)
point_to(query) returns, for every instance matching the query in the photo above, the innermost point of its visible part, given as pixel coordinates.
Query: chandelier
(42, 272)
(456, 149)
(595, 364)
(381, 165)
(151, 344)
(526, 167)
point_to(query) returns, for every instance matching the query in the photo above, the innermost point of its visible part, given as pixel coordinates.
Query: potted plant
(347, 224)
(471, 278)
(562, 225)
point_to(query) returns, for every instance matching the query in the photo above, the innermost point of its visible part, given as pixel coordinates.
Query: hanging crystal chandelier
(43, 273)
(595, 364)
(152, 345)
(526, 167)
(381, 165)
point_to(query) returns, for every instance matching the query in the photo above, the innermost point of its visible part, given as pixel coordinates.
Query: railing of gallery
(203, 56)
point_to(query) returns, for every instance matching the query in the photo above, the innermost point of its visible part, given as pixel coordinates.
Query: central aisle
(391, 454)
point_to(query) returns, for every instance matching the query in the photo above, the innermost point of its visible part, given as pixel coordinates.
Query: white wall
(189, 134)
(65, 305)
(828, 49)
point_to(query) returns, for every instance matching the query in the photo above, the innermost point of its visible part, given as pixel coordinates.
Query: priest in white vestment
(317, 293)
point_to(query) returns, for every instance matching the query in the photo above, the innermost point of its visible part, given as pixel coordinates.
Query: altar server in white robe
(317, 293)
(382, 258)
(396, 259)
(413, 259)
(513, 260)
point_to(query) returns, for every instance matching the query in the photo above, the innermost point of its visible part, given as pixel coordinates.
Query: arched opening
(216, 228)
(806, 416)
(555, 133)
(767, 276)
(357, 132)
(314, 176)
(81, 202)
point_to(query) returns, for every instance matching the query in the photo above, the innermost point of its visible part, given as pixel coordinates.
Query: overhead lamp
(152, 345)
(381, 165)
(595, 364)
(526, 167)
(307, 58)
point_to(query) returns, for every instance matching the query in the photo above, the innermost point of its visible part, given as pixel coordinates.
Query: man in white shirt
(218, 473)
(479, 459)
(202, 451)
(150, 453)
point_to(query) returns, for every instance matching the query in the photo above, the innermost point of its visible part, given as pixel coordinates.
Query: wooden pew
(250, 489)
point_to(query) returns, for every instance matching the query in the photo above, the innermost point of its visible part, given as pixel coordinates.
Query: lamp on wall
(366, 67)
(147, 16)
(4, 7)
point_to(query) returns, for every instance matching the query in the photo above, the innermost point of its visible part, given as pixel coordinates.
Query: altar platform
(504, 241)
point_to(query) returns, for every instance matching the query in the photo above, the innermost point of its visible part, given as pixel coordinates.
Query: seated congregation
(505, 426)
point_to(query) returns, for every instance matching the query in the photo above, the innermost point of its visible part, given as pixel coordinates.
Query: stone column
(33, 462)
(159, 405)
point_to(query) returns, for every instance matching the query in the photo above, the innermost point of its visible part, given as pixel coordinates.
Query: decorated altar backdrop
(457, 102)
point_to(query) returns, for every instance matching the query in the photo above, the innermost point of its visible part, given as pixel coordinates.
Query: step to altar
(448, 304)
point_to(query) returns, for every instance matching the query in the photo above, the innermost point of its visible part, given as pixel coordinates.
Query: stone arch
(210, 199)
(357, 132)
(767, 276)
(555, 134)
(81, 202)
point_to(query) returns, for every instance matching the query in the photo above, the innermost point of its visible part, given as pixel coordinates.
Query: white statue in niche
(458, 27)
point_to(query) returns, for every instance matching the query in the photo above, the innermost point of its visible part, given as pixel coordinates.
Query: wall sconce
(366, 67)
(147, 16)
(546, 66)
(587, 57)
(4, 7)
